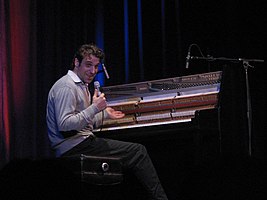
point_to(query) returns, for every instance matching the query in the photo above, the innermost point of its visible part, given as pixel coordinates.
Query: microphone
(97, 86)
(105, 70)
(188, 58)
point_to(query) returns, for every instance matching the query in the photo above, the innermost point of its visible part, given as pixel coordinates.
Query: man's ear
(76, 62)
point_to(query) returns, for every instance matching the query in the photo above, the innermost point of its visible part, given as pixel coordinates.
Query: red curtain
(16, 46)
(5, 131)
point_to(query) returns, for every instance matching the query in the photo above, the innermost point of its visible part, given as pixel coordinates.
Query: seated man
(71, 116)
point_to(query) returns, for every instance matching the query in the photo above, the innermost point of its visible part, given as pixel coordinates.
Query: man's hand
(99, 101)
(114, 114)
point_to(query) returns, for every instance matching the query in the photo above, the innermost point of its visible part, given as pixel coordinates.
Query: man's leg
(134, 157)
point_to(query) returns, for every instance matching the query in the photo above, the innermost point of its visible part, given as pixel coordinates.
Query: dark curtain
(38, 40)
(20, 134)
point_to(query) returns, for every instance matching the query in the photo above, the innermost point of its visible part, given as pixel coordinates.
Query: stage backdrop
(143, 40)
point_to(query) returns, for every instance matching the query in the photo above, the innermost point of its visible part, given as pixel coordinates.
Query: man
(71, 117)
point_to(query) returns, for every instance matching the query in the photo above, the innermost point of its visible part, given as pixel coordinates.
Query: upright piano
(183, 121)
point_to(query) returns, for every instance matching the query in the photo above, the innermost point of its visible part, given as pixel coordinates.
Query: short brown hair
(87, 49)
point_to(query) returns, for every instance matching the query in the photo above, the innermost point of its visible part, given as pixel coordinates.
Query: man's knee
(141, 150)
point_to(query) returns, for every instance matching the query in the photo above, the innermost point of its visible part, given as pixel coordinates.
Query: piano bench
(95, 170)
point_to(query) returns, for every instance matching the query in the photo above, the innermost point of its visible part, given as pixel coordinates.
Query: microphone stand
(246, 65)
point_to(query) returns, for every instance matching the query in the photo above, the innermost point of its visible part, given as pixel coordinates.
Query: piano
(163, 106)
(183, 121)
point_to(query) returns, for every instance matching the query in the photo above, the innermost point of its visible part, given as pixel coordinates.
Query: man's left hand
(114, 114)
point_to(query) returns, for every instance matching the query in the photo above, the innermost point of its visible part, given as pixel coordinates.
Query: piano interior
(165, 101)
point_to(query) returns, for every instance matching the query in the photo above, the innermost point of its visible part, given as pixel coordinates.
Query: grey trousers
(134, 158)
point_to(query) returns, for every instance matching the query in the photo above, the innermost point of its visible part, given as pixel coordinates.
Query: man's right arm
(68, 118)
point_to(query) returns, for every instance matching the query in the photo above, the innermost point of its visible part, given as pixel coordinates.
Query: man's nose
(93, 70)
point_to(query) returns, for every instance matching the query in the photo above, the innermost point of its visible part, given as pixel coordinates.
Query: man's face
(88, 68)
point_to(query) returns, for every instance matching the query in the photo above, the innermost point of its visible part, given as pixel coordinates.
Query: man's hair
(85, 50)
